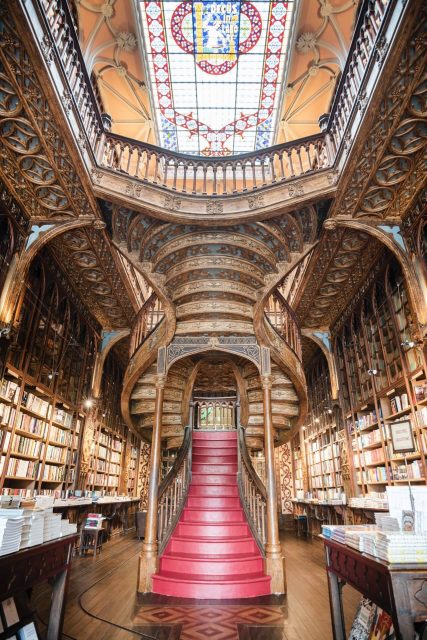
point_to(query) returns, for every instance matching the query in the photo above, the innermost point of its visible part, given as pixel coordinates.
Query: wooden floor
(102, 603)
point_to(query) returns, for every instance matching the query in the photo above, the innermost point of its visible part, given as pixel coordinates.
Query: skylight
(216, 72)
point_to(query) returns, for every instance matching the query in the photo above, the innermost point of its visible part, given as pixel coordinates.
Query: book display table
(22, 570)
(400, 590)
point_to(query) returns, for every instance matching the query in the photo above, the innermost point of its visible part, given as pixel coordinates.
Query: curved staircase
(212, 552)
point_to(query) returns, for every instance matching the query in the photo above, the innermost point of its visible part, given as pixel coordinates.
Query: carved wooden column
(148, 558)
(275, 562)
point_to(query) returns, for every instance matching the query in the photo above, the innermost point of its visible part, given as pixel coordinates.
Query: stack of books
(401, 547)
(32, 532)
(10, 532)
(52, 526)
(94, 521)
(67, 528)
(386, 522)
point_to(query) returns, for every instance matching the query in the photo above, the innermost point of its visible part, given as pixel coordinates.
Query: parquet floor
(103, 605)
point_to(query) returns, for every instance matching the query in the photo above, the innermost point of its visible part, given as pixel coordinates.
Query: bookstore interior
(213, 319)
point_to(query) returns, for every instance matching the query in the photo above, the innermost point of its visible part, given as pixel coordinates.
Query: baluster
(156, 168)
(130, 153)
(224, 180)
(138, 162)
(194, 179)
(291, 164)
(254, 185)
(184, 183)
(147, 160)
(204, 179)
(263, 172)
(243, 166)
(282, 168)
(300, 161)
(214, 169)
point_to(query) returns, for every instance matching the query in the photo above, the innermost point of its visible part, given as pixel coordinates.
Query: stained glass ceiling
(216, 72)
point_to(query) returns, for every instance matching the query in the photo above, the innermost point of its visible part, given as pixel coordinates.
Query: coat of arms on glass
(216, 72)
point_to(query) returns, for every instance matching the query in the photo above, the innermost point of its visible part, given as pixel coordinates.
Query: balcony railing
(149, 316)
(283, 320)
(199, 176)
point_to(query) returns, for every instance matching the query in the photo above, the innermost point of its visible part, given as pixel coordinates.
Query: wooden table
(401, 590)
(22, 570)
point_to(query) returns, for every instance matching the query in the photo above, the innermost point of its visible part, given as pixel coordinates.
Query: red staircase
(212, 553)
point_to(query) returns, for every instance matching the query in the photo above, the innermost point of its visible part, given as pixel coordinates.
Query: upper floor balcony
(195, 187)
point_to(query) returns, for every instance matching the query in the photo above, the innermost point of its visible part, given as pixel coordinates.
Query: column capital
(266, 381)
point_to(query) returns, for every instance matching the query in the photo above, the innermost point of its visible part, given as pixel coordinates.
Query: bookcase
(382, 380)
(322, 449)
(133, 468)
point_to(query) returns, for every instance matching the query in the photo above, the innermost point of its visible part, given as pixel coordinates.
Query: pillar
(149, 555)
(275, 562)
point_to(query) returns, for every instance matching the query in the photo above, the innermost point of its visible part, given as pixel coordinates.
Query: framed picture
(402, 437)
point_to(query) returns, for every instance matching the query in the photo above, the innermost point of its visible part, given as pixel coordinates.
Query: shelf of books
(39, 438)
(322, 450)
(383, 384)
(298, 467)
(133, 465)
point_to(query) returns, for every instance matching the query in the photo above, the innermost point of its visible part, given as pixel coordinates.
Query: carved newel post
(149, 555)
(275, 562)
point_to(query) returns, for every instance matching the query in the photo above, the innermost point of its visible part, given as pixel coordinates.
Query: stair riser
(201, 530)
(206, 591)
(217, 548)
(211, 490)
(204, 567)
(221, 480)
(209, 436)
(207, 502)
(214, 451)
(192, 515)
(213, 459)
(214, 469)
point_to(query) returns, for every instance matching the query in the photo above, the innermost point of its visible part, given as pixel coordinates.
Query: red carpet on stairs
(212, 553)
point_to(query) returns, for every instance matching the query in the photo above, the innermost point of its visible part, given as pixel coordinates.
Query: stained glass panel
(216, 72)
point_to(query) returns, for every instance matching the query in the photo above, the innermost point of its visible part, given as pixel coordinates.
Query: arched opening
(215, 395)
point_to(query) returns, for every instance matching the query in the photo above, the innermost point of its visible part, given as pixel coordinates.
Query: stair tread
(219, 557)
(248, 577)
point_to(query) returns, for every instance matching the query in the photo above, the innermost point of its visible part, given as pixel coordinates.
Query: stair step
(213, 516)
(213, 502)
(221, 480)
(204, 530)
(215, 588)
(196, 566)
(214, 435)
(214, 451)
(229, 547)
(215, 444)
(213, 458)
(214, 469)
(212, 490)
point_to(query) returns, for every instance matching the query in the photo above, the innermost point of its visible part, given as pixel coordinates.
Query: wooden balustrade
(149, 316)
(283, 320)
(215, 176)
(348, 95)
(253, 494)
(173, 491)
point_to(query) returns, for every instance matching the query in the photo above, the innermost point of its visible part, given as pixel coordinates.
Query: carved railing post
(149, 555)
(275, 564)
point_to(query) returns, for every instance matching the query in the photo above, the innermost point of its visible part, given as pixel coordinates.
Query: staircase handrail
(253, 494)
(226, 175)
(173, 491)
(287, 326)
(143, 325)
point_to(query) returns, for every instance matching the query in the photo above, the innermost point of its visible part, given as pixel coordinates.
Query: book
(9, 611)
(363, 620)
(382, 627)
(28, 632)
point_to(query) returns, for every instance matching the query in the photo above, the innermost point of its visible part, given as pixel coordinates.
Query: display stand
(23, 570)
(399, 589)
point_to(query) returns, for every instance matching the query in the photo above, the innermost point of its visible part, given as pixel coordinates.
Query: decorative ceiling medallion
(216, 70)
